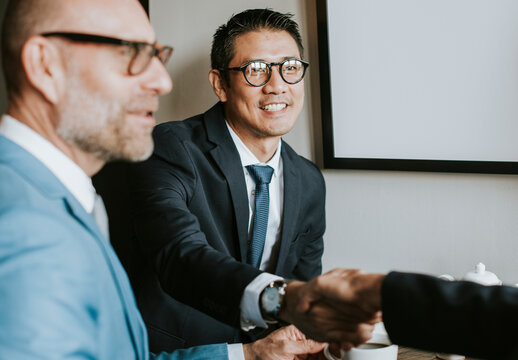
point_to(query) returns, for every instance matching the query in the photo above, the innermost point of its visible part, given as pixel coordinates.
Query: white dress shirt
(276, 191)
(67, 171)
(250, 311)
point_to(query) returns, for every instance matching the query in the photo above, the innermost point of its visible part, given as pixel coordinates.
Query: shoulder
(182, 129)
(195, 129)
(312, 173)
(172, 138)
(16, 189)
(47, 236)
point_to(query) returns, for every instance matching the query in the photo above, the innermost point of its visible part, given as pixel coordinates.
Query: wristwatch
(271, 300)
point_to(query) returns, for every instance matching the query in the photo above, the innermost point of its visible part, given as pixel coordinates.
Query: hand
(344, 287)
(287, 343)
(340, 306)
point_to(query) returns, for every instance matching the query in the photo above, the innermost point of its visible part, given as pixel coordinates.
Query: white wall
(378, 221)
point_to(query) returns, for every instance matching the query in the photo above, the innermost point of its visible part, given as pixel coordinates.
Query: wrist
(289, 301)
(369, 290)
(251, 352)
(271, 299)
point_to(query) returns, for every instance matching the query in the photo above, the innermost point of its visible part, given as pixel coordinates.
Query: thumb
(306, 346)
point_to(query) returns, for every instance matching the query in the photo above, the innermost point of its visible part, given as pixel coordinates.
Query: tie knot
(261, 174)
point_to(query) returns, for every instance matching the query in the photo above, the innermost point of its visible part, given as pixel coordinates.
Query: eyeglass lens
(144, 54)
(258, 72)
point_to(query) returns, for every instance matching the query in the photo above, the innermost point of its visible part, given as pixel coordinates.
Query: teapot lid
(481, 276)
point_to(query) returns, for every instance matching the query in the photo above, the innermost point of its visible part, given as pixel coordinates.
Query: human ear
(43, 68)
(219, 84)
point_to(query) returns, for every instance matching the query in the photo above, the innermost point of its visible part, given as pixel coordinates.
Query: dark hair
(249, 20)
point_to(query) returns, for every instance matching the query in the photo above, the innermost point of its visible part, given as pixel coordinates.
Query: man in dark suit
(422, 311)
(224, 203)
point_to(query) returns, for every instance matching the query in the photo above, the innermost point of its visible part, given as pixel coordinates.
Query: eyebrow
(247, 60)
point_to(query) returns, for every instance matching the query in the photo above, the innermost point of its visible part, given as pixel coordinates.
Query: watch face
(270, 299)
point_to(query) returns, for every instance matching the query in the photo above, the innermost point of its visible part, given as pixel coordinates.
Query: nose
(276, 85)
(157, 78)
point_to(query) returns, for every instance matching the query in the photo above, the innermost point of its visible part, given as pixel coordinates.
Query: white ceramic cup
(378, 348)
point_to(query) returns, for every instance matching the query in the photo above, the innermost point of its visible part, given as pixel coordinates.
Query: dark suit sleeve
(189, 269)
(453, 317)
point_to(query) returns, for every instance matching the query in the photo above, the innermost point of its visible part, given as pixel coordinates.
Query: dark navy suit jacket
(190, 221)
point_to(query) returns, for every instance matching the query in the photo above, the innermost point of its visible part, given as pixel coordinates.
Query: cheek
(298, 91)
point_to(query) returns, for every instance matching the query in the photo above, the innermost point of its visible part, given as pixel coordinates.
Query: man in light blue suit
(83, 79)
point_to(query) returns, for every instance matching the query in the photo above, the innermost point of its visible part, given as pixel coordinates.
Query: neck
(263, 148)
(41, 119)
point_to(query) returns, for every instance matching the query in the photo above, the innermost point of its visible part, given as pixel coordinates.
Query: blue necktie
(262, 176)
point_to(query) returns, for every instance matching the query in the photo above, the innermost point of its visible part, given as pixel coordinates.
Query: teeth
(274, 107)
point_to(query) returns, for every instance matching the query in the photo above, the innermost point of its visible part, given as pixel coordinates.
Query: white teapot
(480, 275)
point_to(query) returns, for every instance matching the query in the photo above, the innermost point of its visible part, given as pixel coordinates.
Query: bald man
(83, 79)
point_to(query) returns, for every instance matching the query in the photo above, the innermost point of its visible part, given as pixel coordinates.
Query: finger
(294, 333)
(343, 272)
(346, 346)
(304, 347)
(334, 349)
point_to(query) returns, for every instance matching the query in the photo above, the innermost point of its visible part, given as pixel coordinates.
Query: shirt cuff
(250, 311)
(235, 352)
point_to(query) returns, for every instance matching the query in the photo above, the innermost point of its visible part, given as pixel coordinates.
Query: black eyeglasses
(143, 52)
(258, 73)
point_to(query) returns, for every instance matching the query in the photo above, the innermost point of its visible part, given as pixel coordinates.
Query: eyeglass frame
(101, 39)
(242, 68)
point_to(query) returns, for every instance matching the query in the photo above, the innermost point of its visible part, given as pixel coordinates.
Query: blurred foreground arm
(451, 316)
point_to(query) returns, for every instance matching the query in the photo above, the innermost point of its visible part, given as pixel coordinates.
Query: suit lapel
(292, 193)
(227, 158)
(118, 273)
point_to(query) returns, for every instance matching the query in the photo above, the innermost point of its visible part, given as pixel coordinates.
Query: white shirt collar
(248, 158)
(67, 171)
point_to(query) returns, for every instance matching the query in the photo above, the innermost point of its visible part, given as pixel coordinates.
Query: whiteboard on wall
(427, 85)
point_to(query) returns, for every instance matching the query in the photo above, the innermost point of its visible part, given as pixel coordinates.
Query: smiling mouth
(274, 107)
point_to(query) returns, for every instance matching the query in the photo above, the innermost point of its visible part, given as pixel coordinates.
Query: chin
(279, 130)
(133, 152)
(141, 154)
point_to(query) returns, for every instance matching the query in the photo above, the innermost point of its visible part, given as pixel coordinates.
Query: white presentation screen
(423, 79)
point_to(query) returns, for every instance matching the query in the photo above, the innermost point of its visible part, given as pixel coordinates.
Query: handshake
(340, 307)
(419, 311)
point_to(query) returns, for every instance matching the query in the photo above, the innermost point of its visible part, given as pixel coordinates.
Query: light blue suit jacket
(63, 292)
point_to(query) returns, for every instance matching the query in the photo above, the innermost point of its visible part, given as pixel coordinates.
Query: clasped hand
(340, 306)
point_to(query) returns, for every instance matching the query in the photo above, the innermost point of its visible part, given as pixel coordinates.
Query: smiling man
(224, 203)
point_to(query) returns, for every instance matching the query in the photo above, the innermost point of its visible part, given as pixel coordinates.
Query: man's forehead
(264, 44)
(124, 19)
